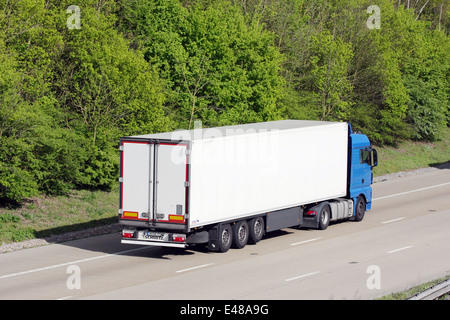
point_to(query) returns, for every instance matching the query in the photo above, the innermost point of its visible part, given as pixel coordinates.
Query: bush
(426, 114)
(8, 217)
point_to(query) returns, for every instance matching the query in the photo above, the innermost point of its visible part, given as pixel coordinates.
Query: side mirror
(373, 158)
(369, 156)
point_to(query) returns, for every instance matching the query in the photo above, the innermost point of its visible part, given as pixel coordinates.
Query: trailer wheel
(360, 208)
(324, 216)
(225, 238)
(256, 230)
(240, 234)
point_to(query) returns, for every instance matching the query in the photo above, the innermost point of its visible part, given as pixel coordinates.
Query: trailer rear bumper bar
(155, 243)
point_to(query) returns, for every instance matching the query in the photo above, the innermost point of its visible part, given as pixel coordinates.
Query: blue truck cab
(361, 160)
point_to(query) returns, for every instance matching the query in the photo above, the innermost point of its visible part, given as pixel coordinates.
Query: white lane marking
(399, 249)
(394, 220)
(70, 263)
(64, 298)
(193, 268)
(411, 191)
(306, 241)
(303, 276)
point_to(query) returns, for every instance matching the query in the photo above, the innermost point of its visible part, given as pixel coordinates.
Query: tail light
(128, 233)
(178, 237)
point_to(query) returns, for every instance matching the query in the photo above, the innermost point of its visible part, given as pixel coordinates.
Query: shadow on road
(441, 165)
(106, 240)
(109, 243)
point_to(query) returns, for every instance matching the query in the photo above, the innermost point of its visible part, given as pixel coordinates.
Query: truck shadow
(109, 243)
(441, 165)
(105, 239)
(102, 236)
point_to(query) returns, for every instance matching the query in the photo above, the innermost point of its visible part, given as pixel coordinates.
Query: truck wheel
(360, 208)
(225, 238)
(240, 234)
(256, 230)
(324, 217)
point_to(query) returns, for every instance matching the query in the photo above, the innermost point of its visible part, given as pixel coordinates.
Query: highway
(403, 241)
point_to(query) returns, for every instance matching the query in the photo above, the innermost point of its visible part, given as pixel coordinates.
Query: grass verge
(44, 216)
(403, 295)
(410, 155)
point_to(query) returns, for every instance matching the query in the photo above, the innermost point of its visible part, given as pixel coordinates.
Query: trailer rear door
(171, 182)
(154, 181)
(137, 180)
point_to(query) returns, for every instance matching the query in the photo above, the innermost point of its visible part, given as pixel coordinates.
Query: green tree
(16, 183)
(326, 75)
(358, 74)
(218, 66)
(69, 95)
(107, 90)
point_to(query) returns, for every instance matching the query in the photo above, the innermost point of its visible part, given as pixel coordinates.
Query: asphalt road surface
(403, 241)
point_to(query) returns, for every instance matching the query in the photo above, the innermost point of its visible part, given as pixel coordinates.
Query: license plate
(154, 236)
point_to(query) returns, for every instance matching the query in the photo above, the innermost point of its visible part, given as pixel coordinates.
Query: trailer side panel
(249, 174)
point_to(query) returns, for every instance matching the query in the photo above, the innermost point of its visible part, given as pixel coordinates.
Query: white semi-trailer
(230, 185)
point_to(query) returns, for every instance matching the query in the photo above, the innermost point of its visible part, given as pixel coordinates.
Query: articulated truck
(228, 186)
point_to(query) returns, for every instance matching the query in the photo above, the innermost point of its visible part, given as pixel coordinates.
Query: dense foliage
(68, 91)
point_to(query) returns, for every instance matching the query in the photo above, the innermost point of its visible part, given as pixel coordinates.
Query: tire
(324, 216)
(240, 234)
(225, 237)
(360, 208)
(256, 230)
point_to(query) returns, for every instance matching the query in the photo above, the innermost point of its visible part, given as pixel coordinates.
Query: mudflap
(198, 237)
(213, 241)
